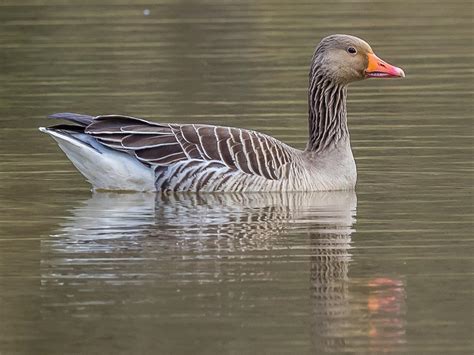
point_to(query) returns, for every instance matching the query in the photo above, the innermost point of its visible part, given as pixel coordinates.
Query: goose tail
(82, 120)
(104, 168)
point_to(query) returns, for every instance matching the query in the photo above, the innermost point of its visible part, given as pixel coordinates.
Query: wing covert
(162, 145)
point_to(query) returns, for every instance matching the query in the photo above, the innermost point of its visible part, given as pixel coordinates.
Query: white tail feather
(104, 168)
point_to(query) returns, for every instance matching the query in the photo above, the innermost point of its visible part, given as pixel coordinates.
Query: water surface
(387, 268)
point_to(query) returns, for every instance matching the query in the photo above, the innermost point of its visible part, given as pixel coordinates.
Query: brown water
(260, 273)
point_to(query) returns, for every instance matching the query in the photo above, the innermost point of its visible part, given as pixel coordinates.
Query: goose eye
(351, 50)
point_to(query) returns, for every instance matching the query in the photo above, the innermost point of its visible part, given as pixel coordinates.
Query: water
(385, 269)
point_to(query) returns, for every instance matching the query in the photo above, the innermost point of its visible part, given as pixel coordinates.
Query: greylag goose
(118, 152)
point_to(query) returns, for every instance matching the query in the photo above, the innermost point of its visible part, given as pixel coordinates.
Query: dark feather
(242, 161)
(140, 141)
(109, 125)
(167, 159)
(189, 133)
(159, 152)
(67, 127)
(226, 156)
(83, 120)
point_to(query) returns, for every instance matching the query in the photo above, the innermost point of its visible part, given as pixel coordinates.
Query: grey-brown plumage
(120, 152)
(194, 152)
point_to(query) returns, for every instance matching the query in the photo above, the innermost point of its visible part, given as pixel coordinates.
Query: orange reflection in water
(386, 307)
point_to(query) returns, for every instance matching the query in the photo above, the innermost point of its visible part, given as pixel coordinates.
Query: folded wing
(161, 145)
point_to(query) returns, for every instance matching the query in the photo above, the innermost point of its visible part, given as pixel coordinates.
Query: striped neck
(327, 112)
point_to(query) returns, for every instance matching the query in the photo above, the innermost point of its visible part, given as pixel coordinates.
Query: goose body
(118, 152)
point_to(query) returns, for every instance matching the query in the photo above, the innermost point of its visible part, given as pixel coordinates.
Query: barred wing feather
(164, 145)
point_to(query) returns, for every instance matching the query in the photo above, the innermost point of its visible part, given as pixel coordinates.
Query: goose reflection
(112, 244)
(222, 221)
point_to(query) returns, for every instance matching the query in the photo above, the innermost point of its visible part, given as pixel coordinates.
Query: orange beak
(377, 68)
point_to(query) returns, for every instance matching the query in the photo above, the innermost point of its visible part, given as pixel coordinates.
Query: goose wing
(157, 144)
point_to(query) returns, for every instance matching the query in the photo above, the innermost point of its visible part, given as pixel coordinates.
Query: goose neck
(327, 113)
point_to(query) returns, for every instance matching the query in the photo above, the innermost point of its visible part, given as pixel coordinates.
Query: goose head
(344, 59)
